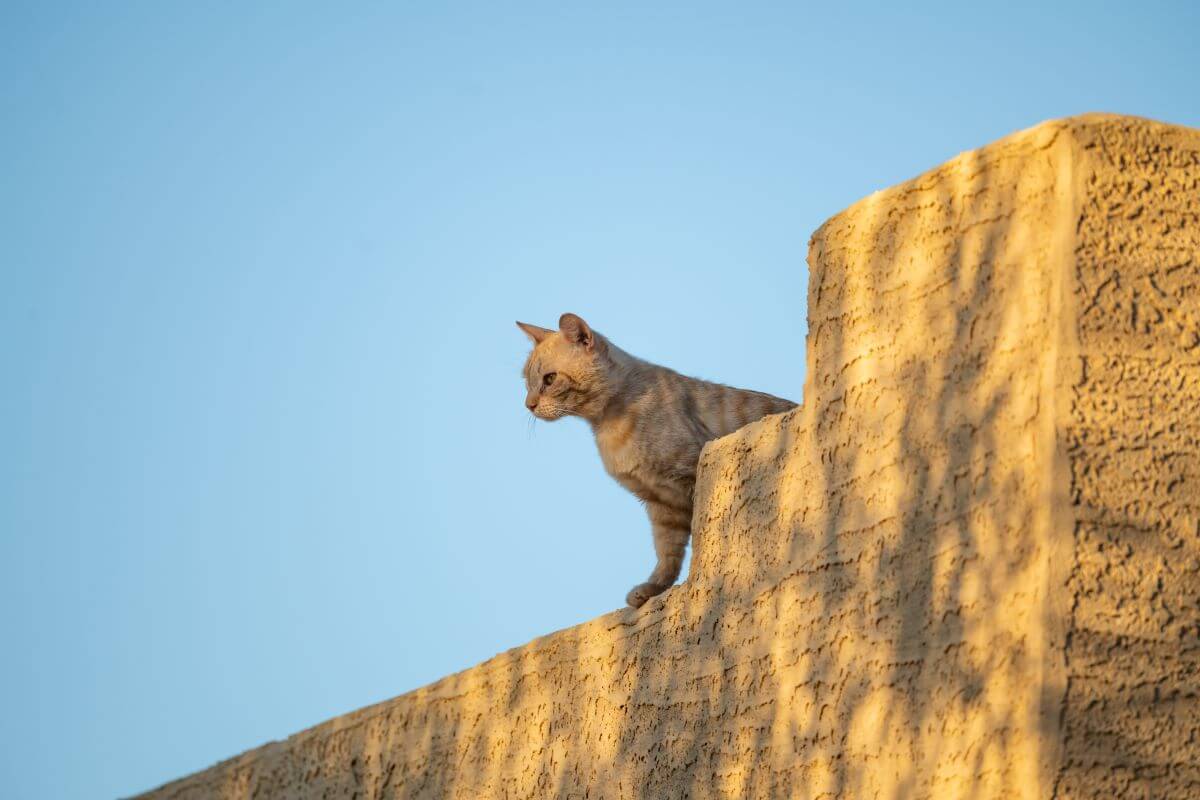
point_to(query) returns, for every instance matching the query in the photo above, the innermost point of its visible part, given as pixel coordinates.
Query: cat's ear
(534, 332)
(575, 330)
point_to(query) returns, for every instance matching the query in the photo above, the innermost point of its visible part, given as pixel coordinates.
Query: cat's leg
(671, 527)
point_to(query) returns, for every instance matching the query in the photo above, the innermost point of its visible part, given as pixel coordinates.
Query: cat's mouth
(549, 414)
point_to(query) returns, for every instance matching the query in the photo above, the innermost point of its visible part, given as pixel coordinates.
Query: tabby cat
(650, 424)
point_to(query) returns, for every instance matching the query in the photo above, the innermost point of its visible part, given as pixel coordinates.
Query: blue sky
(263, 454)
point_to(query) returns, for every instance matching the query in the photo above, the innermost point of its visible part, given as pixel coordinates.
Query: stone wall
(1132, 708)
(967, 566)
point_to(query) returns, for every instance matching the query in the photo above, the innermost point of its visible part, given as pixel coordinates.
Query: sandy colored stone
(967, 566)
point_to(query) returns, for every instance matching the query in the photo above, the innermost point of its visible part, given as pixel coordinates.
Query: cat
(650, 424)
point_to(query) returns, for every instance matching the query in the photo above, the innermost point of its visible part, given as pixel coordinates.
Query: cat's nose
(531, 404)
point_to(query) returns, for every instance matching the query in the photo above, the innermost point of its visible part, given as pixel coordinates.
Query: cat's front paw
(639, 594)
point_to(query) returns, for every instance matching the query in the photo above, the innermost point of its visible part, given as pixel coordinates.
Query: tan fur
(650, 424)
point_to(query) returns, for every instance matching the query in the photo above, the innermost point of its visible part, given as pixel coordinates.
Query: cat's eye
(548, 378)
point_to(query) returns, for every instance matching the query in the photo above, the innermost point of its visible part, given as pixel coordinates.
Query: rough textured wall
(966, 566)
(903, 526)
(1132, 711)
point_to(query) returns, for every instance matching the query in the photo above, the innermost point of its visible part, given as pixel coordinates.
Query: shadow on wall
(902, 615)
(879, 600)
(821, 644)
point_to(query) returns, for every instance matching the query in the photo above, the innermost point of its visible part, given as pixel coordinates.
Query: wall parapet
(967, 565)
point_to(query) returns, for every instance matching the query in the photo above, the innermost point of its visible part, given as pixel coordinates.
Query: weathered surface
(1132, 710)
(967, 566)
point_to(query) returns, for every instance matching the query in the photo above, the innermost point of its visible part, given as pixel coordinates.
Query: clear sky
(263, 454)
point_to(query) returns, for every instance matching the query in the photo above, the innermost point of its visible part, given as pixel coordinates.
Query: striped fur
(650, 424)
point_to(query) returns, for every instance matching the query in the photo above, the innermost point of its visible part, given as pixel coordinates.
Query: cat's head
(565, 372)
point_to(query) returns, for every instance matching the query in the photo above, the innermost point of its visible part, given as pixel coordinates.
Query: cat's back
(661, 421)
(723, 409)
(669, 413)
